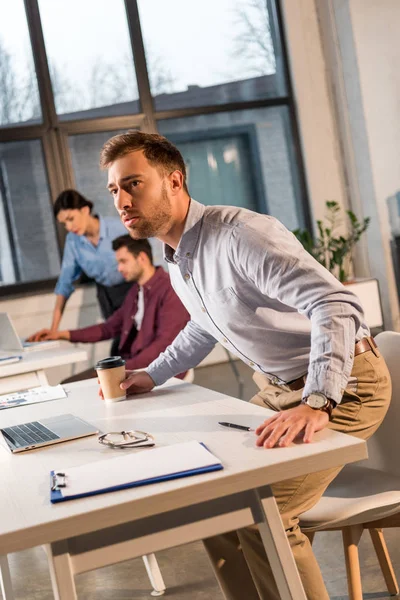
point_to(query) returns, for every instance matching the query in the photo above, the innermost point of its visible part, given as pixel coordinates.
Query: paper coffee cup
(111, 372)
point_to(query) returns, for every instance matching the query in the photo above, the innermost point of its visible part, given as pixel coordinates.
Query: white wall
(376, 35)
(316, 117)
(344, 57)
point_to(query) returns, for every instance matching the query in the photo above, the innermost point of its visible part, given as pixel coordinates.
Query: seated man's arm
(103, 331)
(171, 319)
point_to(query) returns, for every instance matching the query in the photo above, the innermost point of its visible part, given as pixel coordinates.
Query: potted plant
(335, 252)
(332, 250)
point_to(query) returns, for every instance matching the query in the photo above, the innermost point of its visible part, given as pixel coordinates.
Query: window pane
(28, 247)
(220, 52)
(89, 179)
(92, 182)
(241, 158)
(19, 96)
(90, 58)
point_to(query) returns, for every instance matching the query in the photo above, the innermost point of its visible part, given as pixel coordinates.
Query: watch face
(316, 400)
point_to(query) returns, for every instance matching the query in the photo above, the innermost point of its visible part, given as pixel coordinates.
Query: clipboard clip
(58, 481)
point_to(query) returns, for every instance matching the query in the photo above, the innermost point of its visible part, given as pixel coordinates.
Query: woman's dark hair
(71, 199)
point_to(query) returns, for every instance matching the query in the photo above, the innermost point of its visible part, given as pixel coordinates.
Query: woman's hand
(282, 428)
(136, 382)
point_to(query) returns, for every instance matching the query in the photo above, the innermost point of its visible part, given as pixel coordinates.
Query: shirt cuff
(330, 384)
(161, 373)
(65, 291)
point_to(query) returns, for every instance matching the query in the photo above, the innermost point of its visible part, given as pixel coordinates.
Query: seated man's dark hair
(133, 246)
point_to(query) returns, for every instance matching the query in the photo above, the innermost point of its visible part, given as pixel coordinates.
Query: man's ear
(176, 181)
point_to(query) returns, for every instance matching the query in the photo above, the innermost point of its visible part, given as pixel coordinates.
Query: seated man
(148, 320)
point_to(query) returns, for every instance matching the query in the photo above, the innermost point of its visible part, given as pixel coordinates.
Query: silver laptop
(9, 339)
(44, 432)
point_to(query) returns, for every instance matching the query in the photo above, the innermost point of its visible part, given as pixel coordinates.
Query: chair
(367, 495)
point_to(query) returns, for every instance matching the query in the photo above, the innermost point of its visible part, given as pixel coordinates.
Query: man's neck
(146, 275)
(173, 236)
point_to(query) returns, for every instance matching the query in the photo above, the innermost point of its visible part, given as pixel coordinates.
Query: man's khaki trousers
(238, 558)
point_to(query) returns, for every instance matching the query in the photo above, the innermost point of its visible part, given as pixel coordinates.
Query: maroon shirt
(164, 317)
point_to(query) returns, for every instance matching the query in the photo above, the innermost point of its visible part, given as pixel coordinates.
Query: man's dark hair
(135, 247)
(159, 151)
(71, 199)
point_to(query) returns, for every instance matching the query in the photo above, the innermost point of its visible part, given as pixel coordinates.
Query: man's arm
(171, 319)
(187, 351)
(103, 331)
(280, 268)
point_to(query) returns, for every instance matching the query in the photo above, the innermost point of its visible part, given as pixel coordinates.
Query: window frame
(53, 132)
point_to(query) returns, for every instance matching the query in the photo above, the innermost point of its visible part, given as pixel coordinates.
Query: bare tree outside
(108, 84)
(19, 98)
(161, 78)
(253, 43)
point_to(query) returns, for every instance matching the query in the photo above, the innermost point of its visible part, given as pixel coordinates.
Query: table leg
(61, 572)
(5, 579)
(154, 574)
(277, 547)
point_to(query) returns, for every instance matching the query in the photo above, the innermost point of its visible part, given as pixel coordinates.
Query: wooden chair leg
(310, 535)
(384, 560)
(351, 537)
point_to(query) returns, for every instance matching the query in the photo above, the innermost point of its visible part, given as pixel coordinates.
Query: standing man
(149, 319)
(249, 284)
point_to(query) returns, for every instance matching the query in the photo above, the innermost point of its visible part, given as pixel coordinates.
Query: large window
(19, 96)
(28, 249)
(224, 52)
(209, 75)
(92, 66)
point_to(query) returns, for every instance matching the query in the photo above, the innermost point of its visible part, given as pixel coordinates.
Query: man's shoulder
(235, 219)
(161, 280)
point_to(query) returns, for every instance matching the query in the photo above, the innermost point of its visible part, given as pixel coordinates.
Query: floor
(185, 569)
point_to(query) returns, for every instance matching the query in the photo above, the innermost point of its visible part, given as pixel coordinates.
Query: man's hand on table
(48, 334)
(282, 428)
(136, 382)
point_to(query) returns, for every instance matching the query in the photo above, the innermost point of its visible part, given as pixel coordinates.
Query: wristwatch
(319, 401)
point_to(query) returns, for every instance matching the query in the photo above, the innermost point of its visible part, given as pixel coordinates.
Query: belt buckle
(281, 384)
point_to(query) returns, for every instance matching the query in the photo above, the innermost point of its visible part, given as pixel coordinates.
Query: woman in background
(87, 249)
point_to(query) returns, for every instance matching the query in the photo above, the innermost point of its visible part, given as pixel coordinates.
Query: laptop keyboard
(29, 434)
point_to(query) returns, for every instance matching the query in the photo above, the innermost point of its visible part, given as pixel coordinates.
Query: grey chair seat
(357, 495)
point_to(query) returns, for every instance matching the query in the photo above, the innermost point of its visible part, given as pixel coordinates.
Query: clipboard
(133, 470)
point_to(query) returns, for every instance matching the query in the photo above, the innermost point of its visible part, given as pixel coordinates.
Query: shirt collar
(190, 235)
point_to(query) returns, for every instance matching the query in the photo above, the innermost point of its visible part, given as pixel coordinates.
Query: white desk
(93, 532)
(30, 371)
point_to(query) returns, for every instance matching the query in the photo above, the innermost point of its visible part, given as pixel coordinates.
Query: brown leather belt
(363, 345)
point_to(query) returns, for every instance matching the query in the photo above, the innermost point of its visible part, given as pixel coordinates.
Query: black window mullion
(41, 63)
(139, 57)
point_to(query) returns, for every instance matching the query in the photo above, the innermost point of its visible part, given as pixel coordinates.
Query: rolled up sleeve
(70, 271)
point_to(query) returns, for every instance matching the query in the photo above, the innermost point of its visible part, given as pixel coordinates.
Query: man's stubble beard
(158, 223)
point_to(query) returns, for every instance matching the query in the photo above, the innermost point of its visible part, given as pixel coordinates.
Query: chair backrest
(384, 445)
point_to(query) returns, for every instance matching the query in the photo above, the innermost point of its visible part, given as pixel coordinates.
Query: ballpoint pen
(234, 426)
